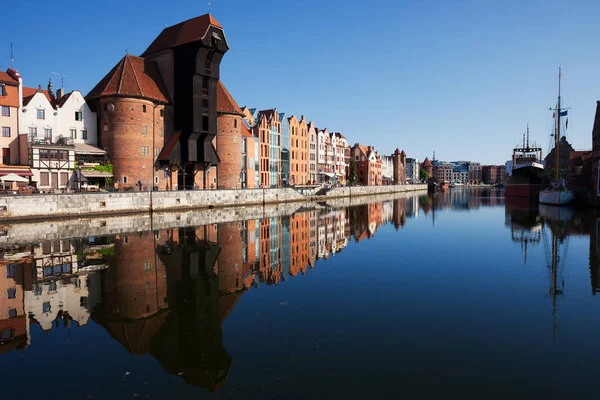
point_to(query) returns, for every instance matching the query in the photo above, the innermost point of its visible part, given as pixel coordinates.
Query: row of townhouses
(165, 121)
(463, 172)
(45, 135)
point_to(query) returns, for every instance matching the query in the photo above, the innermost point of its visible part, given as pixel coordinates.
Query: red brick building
(427, 166)
(493, 174)
(157, 113)
(368, 165)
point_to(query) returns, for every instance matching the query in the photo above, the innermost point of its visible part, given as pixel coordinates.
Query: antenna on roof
(12, 58)
(62, 79)
(209, 7)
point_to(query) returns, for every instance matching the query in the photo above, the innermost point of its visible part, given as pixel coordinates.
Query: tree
(424, 175)
(352, 174)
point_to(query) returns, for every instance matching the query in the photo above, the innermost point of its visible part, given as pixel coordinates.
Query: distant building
(427, 166)
(509, 167)
(565, 150)
(493, 174)
(368, 165)
(399, 167)
(412, 170)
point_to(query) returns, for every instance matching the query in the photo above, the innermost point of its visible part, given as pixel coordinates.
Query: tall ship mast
(527, 172)
(557, 194)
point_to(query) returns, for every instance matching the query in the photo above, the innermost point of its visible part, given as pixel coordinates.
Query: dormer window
(41, 114)
(3, 90)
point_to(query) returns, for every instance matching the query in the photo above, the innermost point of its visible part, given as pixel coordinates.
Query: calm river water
(457, 296)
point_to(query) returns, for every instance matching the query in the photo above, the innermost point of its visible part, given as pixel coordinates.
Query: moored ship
(527, 173)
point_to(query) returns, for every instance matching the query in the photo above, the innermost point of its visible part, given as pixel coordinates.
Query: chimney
(59, 93)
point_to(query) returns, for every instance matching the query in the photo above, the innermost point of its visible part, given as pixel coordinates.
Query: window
(84, 134)
(144, 130)
(41, 114)
(3, 89)
(105, 128)
(33, 132)
(161, 132)
(48, 133)
(46, 307)
(147, 266)
(73, 133)
(44, 179)
(83, 301)
(6, 131)
(11, 293)
(156, 180)
(144, 108)
(145, 150)
(235, 123)
(64, 178)
(12, 313)
(10, 271)
(5, 111)
(156, 151)
(124, 179)
(78, 116)
(162, 112)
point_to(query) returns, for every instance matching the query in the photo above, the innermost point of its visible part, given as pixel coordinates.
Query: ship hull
(525, 182)
(528, 190)
(556, 197)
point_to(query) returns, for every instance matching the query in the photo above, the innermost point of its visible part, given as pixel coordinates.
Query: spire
(50, 92)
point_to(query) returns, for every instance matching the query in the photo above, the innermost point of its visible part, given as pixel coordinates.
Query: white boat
(557, 194)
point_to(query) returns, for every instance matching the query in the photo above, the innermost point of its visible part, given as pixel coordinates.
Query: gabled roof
(246, 131)
(184, 32)
(132, 77)
(28, 94)
(7, 78)
(225, 102)
(268, 113)
(57, 103)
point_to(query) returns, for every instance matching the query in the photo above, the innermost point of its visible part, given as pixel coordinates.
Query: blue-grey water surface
(457, 296)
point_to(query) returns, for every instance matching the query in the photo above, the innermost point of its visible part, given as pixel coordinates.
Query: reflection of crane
(555, 262)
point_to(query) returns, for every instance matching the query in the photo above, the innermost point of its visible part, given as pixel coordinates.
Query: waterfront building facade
(157, 114)
(10, 102)
(368, 165)
(493, 174)
(412, 170)
(313, 145)
(285, 149)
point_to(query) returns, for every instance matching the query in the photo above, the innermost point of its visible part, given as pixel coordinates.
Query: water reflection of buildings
(47, 284)
(525, 227)
(166, 293)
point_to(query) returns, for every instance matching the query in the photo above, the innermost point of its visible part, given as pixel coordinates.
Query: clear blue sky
(459, 77)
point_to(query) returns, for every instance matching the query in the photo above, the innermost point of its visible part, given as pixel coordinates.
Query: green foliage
(352, 174)
(424, 175)
(105, 168)
(110, 251)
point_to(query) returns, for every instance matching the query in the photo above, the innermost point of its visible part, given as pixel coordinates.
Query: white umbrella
(13, 178)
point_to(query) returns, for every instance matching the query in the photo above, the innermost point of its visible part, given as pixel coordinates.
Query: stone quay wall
(23, 232)
(51, 206)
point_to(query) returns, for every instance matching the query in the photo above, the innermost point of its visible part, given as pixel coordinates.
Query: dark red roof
(188, 31)
(61, 102)
(427, 163)
(28, 94)
(132, 77)
(5, 77)
(225, 102)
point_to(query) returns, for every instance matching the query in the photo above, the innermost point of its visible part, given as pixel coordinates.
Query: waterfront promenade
(52, 206)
